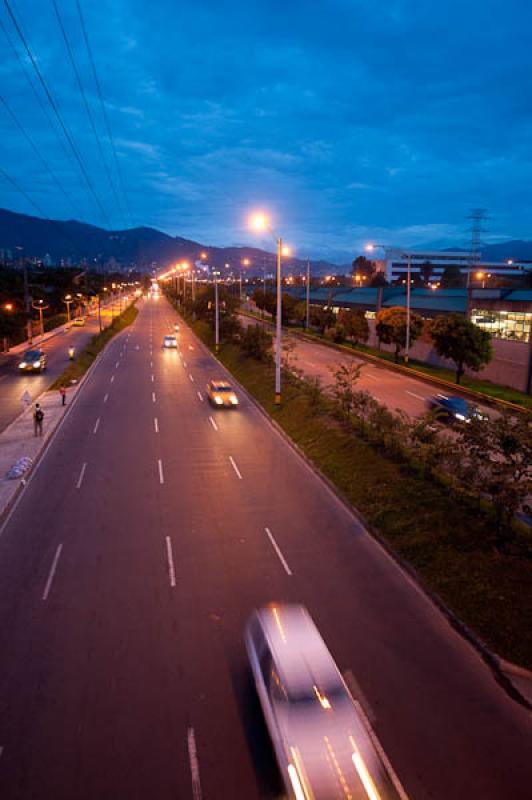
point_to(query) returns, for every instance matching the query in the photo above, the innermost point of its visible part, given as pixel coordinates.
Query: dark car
(453, 409)
(33, 361)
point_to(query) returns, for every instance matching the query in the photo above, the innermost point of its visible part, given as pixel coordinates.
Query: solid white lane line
(81, 474)
(161, 474)
(97, 425)
(106, 397)
(156, 425)
(170, 557)
(413, 394)
(112, 378)
(278, 551)
(194, 765)
(52, 573)
(191, 378)
(213, 423)
(200, 396)
(153, 396)
(232, 460)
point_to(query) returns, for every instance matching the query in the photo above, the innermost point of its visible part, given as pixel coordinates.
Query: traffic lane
(400, 619)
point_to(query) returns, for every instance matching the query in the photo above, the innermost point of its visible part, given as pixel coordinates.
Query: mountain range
(35, 237)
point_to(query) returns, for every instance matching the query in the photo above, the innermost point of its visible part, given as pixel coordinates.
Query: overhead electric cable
(13, 182)
(104, 111)
(37, 152)
(88, 110)
(56, 112)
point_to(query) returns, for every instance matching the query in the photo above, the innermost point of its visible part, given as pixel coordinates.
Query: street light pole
(408, 281)
(278, 326)
(307, 322)
(68, 301)
(216, 313)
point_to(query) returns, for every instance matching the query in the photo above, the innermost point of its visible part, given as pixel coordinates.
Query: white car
(324, 746)
(170, 341)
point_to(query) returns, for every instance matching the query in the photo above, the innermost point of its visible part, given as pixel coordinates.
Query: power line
(57, 112)
(37, 152)
(87, 108)
(104, 111)
(13, 182)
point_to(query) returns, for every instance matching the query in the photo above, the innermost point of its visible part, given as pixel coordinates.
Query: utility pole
(27, 304)
(278, 326)
(408, 283)
(307, 323)
(216, 313)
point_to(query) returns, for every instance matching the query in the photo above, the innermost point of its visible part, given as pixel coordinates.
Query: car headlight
(218, 401)
(234, 400)
(460, 417)
(36, 363)
(22, 365)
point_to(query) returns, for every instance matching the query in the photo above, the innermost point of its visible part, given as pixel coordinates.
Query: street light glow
(286, 251)
(259, 221)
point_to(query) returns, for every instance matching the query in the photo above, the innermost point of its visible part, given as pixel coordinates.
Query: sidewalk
(18, 441)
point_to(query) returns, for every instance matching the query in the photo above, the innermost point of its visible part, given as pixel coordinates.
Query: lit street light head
(259, 222)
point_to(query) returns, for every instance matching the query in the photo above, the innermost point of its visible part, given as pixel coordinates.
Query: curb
(497, 665)
(441, 383)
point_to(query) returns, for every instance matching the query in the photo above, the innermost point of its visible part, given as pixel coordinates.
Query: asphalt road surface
(393, 389)
(129, 568)
(13, 384)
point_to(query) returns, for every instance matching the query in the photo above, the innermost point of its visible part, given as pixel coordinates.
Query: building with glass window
(431, 266)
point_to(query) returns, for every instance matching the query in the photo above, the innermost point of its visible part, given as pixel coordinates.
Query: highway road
(393, 389)
(128, 570)
(13, 384)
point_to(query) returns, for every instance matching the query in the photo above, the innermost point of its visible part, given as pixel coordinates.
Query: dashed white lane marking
(190, 347)
(184, 363)
(232, 460)
(310, 363)
(52, 573)
(170, 557)
(213, 423)
(373, 377)
(191, 378)
(81, 475)
(153, 397)
(106, 397)
(117, 364)
(194, 765)
(200, 396)
(1, 751)
(413, 394)
(152, 378)
(161, 473)
(112, 378)
(278, 551)
(156, 424)
(97, 425)
(151, 364)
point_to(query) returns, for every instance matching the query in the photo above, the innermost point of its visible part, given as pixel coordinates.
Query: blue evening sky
(348, 120)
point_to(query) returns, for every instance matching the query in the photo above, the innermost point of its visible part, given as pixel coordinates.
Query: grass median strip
(77, 368)
(447, 541)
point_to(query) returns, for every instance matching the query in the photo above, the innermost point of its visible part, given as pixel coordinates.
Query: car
(170, 341)
(79, 322)
(453, 409)
(176, 326)
(221, 394)
(33, 361)
(322, 738)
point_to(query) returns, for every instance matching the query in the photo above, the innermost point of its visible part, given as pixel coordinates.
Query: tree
(355, 324)
(336, 333)
(288, 308)
(256, 342)
(452, 277)
(363, 266)
(426, 271)
(300, 312)
(322, 318)
(378, 279)
(457, 338)
(345, 376)
(391, 327)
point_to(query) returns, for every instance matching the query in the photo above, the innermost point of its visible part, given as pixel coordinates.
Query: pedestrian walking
(38, 417)
(62, 392)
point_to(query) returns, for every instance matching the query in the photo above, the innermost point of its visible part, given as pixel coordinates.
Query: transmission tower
(478, 217)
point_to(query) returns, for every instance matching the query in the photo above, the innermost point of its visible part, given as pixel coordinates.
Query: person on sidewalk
(62, 392)
(38, 418)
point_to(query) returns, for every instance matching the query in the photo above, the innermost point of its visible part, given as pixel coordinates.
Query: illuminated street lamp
(40, 307)
(8, 307)
(260, 222)
(68, 300)
(408, 256)
(216, 312)
(245, 263)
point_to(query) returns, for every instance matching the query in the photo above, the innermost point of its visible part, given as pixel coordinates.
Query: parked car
(324, 745)
(33, 361)
(453, 409)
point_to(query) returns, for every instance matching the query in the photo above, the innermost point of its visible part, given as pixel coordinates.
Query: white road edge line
(52, 573)
(96, 425)
(170, 557)
(232, 460)
(194, 765)
(156, 424)
(81, 475)
(278, 551)
(161, 474)
(214, 425)
(413, 394)
(200, 396)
